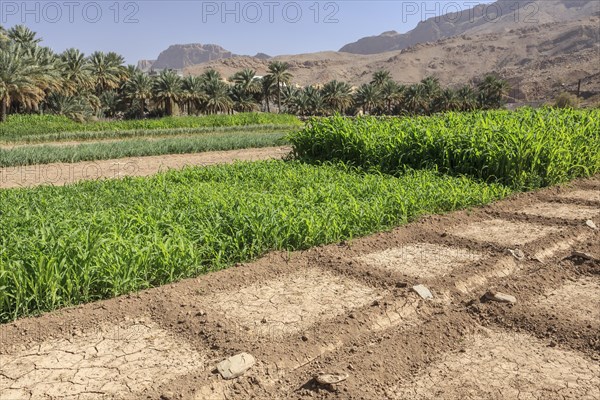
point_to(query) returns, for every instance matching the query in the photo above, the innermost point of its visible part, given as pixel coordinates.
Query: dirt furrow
(59, 174)
(350, 309)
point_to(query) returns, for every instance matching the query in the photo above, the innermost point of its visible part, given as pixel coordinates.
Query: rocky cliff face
(501, 16)
(180, 56)
(145, 65)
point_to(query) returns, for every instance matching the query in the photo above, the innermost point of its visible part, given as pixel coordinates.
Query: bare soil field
(59, 174)
(349, 309)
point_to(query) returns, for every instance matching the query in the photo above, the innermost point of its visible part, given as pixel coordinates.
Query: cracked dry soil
(348, 308)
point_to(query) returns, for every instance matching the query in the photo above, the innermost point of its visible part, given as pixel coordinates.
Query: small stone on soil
(235, 366)
(591, 224)
(422, 291)
(518, 254)
(331, 379)
(500, 297)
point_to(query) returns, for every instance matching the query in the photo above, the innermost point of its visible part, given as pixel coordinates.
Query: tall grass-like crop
(18, 125)
(524, 149)
(67, 245)
(45, 154)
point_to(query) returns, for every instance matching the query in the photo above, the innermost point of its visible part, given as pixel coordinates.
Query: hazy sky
(141, 29)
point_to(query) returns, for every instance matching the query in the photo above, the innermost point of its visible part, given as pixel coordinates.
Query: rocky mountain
(501, 16)
(180, 56)
(145, 65)
(539, 61)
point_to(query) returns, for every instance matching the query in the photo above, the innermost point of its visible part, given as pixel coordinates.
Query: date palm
(368, 97)
(416, 100)
(447, 100)
(193, 93)
(24, 36)
(3, 35)
(76, 107)
(337, 96)
(167, 88)
(106, 71)
(242, 100)
(211, 75)
(21, 79)
(75, 72)
(217, 97)
(492, 91)
(278, 72)
(381, 77)
(268, 87)
(138, 90)
(289, 95)
(391, 94)
(247, 81)
(466, 98)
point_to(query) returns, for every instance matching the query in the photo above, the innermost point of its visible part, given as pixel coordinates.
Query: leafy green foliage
(27, 125)
(524, 149)
(30, 155)
(67, 245)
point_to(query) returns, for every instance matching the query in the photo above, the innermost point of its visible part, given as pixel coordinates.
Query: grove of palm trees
(34, 79)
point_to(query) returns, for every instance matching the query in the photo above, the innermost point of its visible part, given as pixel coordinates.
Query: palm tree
(431, 89)
(21, 79)
(268, 87)
(105, 70)
(75, 72)
(243, 101)
(78, 108)
(368, 97)
(24, 36)
(416, 100)
(466, 98)
(314, 100)
(337, 96)
(3, 36)
(211, 75)
(447, 100)
(492, 91)
(217, 97)
(289, 95)
(167, 89)
(247, 81)
(193, 93)
(278, 71)
(138, 89)
(391, 94)
(380, 78)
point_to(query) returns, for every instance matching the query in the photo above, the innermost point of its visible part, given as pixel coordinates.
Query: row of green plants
(45, 154)
(525, 149)
(67, 245)
(89, 136)
(21, 127)
(35, 79)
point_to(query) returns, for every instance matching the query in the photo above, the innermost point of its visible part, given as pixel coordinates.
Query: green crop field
(524, 149)
(67, 245)
(44, 154)
(98, 239)
(27, 126)
(86, 136)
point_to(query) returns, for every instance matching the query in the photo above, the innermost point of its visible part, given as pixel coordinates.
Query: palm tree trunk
(169, 108)
(278, 96)
(3, 109)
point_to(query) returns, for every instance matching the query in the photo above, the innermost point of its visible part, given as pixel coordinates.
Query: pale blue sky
(141, 29)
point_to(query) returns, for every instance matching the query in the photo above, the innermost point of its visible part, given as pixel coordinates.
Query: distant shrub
(566, 100)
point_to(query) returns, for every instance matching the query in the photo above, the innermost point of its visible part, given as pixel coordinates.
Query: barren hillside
(538, 60)
(499, 17)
